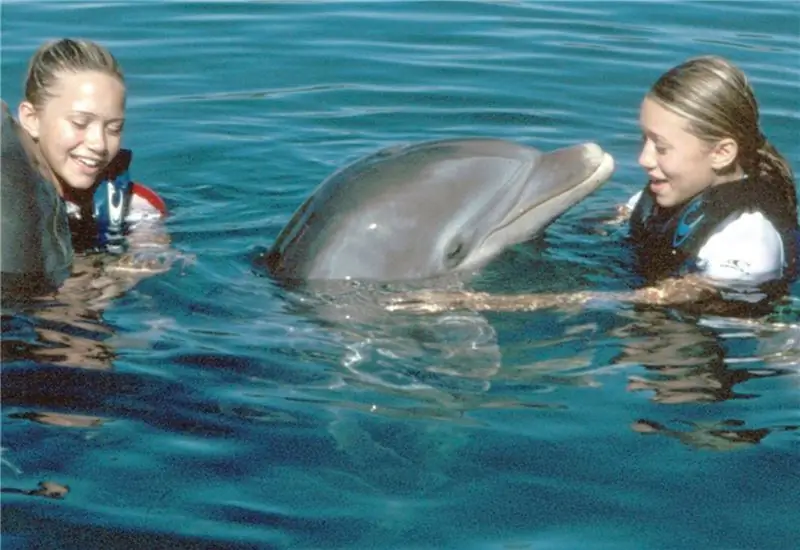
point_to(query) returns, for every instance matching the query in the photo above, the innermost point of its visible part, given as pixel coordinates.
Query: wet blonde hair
(714, 96)
(65, 55)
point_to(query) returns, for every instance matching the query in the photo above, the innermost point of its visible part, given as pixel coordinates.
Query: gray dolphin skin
(431, 209)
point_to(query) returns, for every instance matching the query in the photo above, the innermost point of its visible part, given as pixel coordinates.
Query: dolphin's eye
(455, 253)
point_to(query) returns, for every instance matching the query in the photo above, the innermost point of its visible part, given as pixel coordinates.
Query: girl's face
(679, 164)
(79, 128)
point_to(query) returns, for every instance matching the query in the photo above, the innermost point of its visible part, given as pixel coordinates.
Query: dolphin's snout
(570, 167)
(592, 153)
(597, 159)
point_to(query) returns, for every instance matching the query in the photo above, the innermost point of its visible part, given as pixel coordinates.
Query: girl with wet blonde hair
(718, 215)
(717, 101)
(65, 175)
(720, 200)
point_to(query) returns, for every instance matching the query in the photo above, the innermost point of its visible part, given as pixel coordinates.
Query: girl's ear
(724, 154)
(29, 118)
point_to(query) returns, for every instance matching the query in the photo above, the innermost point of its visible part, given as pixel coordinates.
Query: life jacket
(667, 241)
(36, 242)
(101, 225)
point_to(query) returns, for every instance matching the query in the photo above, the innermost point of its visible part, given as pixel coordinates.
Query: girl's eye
(115, 130)
(660, 149)
(80, 124)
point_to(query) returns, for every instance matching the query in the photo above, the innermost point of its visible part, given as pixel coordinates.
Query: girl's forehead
(77, 81)
(91, 89)
(657, 118)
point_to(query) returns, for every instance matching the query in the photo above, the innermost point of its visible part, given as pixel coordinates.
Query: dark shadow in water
(28, 526)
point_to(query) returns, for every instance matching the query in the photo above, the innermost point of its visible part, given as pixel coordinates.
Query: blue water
(206, 408)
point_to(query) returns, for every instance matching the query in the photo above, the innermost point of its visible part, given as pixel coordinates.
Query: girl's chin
(79, 179)
(80, 185)
(76, 186)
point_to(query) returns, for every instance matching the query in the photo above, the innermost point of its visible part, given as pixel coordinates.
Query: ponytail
(772, 169)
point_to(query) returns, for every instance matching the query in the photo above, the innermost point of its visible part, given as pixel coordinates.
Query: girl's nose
(647, 156)
(96, 138)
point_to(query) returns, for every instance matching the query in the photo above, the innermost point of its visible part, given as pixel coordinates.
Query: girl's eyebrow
(654, 136)
(93, 115)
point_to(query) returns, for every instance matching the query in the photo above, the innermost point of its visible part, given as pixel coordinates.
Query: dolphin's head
(432, 209)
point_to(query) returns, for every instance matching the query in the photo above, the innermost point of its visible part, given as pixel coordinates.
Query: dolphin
(430, 209)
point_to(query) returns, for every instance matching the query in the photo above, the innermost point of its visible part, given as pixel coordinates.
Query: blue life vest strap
(111, 201)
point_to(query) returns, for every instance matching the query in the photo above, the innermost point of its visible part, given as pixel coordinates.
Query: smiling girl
(74, 113)
(720, 200)
(65, 179)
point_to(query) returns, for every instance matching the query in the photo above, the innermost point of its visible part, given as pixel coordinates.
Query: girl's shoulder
(749, 246)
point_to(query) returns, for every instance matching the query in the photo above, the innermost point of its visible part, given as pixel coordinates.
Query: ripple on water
(210, 400)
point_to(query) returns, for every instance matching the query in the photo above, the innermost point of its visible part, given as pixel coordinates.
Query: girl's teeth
(88, 162)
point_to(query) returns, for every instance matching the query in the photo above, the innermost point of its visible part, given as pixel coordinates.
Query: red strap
(150, 196)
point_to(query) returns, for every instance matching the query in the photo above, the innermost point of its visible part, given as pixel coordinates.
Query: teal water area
(207, 408)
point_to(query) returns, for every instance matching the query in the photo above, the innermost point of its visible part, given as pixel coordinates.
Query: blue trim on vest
(111, 200)
(100, 225)
(688, 221)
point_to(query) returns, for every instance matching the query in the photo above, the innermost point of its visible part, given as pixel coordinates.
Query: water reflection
(683, 362)
(397, 354)
(47, 489)
(725, 435)
(67, 329)
(48, 341)
(691, 361)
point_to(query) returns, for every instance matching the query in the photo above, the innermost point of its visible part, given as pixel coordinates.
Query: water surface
(204, 407)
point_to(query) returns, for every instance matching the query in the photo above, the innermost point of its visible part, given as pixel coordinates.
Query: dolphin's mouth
(528, 218)
(562, 197)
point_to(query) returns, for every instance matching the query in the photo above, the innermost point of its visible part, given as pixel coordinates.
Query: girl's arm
(689, 289)
(735, 260)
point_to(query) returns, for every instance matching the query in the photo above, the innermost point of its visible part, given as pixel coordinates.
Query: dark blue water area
(208, 407)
